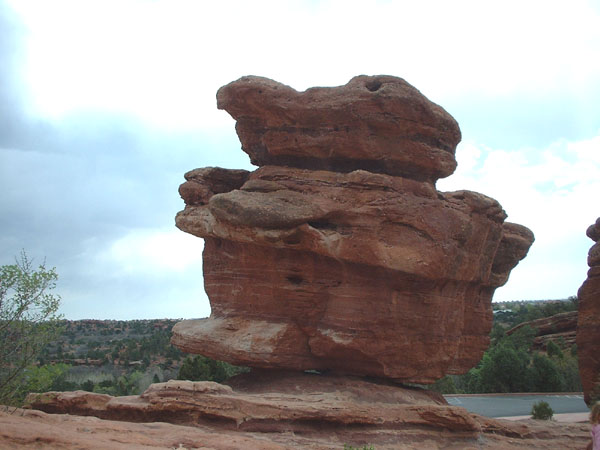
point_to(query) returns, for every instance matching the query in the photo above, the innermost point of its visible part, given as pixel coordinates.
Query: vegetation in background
(125, 357)
(201, 368)
(511, 365)
(28, 322)
(116, 358)
(541, 411)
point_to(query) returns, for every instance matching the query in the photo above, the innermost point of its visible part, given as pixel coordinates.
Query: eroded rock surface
(588, 325)
(560, 327)
(381, 124)
(363, 268)
(272, 411)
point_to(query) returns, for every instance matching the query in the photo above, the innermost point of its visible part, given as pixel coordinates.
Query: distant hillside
(110, 356)
(125, 357)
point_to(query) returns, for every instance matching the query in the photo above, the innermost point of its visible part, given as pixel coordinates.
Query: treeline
(117, 358)
(125, 357)
(509, 314)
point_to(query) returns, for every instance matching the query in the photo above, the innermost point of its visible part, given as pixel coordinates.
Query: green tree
(545, 375)
(554, 350)
(504, 369)
(522, 339)
(88, 385)
(28, 321)
(445, 385)
(201, 368)
(50, 377)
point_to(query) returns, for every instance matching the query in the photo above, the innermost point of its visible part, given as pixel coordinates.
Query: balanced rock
(588, 324)
(363, 268)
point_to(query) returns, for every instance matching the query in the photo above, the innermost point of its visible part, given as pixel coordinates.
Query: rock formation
(557, 328)
(338, 253)
(273, 411)
(588, 324)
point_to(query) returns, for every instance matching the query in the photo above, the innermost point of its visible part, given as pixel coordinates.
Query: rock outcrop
(560, 327)
(273, 411)
(588, 325)
(338, 253)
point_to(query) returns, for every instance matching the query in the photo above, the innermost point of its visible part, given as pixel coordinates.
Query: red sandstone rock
(588, 325)
(349, 269)
(361, 273)
(202, 184)
(560, 327)
(559, 323)
(271, 411)
(377, 123)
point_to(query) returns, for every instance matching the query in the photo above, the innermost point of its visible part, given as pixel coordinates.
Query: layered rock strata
(338, 253)
(559, 328)
(588, 325)
(272, 411)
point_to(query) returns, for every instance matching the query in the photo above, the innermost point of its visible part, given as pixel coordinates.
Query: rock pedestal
(338, 253)
(274, 411)
(588, 324)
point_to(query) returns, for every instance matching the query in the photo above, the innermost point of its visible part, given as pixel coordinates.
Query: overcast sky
(104, 105)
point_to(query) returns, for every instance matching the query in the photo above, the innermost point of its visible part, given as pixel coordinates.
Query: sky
(104, 105)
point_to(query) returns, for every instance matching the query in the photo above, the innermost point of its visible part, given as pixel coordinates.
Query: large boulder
(588, 325)
(357, 270)
(377, 123)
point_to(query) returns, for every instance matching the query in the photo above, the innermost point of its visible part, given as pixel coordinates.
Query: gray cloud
(71, 188)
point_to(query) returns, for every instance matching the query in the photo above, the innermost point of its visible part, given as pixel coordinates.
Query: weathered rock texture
(363, 268)
(272, 411)
(588, 325)
(380, 124)
(559, 328)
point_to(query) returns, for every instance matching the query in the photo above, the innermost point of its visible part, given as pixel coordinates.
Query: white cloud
(552, 191)
(144, 274)
(164, 61)
(155, 252)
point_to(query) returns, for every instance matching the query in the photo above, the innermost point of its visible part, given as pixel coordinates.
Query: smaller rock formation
(559, 327)
(588, 324)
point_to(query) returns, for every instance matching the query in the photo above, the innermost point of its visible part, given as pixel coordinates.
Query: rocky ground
(272, 411)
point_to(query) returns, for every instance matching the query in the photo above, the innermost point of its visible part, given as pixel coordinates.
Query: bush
(554, 350)
(545, 375)
(201, 368)
(541, 411)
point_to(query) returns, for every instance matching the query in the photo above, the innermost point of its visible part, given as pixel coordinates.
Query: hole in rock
(292, 240)
(373, 85)
(323, 225)
(294, 279)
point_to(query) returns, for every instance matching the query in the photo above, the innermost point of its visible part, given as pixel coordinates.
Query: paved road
(518, 405)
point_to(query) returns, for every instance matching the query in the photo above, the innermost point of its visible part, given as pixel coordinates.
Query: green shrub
(541, 411)
(553, 350)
